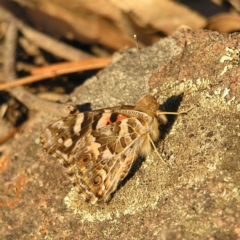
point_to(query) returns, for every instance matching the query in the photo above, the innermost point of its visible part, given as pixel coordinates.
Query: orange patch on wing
(119, 118)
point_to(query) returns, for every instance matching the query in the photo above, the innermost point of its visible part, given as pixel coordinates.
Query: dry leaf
(224, 23)
(235, 4)
(164, 15)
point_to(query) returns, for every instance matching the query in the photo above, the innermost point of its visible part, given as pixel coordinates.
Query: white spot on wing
(77, 126)
(102, 122)
(106, 154)
(68, 142)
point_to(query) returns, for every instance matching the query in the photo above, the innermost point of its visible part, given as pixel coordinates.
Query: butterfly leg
(188, 110)
(155, 149)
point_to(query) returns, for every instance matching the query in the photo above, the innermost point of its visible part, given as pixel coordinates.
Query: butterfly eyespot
(97, 180)
(85, 158)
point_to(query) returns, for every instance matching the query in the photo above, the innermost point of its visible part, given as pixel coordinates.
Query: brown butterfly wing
(101, 160)
(97, 154)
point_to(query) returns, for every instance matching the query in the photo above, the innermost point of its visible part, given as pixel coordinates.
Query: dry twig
(56, 70)
(29, 100)
(45, 42)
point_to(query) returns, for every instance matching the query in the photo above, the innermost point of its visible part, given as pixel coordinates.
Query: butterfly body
(99, 147)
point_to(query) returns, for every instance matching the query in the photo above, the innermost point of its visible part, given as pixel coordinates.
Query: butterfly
(98, 148)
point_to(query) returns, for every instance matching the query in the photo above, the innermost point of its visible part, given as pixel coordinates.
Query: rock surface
(195, 197)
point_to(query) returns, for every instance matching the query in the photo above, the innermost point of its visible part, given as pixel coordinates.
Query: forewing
(61, 136)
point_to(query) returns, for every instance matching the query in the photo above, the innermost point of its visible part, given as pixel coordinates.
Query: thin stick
(140, 61)
(136, 42)
(28, 99)
(44, 41)
(56, 70)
